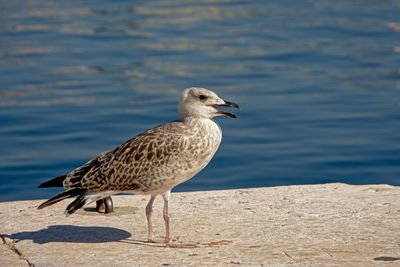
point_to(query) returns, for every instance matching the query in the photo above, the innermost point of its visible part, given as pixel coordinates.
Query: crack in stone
(12, 247)
(324, 250)
(386, 258)
(287, 255)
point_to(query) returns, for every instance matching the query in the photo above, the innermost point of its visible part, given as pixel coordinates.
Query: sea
(318, 83)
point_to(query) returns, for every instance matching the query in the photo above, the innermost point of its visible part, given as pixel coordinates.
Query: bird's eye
(202, 97)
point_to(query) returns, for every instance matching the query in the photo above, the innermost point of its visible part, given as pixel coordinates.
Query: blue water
(318, 83)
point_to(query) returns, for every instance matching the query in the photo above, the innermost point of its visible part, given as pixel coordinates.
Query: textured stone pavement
(308, 225)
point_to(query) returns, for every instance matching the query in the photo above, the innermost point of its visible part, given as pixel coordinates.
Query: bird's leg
(150, 234)
(166, 220)
(149, 210)
(168, 239)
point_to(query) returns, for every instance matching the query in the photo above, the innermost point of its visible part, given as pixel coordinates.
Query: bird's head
(202, 103)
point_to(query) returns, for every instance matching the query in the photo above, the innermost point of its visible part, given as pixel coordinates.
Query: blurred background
(318, 83)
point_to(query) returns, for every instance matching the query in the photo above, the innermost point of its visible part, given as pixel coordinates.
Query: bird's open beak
(227, 104)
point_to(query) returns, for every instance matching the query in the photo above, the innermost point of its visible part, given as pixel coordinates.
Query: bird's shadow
(72, 234)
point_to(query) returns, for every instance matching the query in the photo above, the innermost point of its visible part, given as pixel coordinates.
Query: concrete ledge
(321, 225)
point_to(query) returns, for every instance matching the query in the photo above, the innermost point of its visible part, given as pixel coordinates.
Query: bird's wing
(127, 167)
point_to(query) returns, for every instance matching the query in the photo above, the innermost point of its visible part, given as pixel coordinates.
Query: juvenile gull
(153, 162)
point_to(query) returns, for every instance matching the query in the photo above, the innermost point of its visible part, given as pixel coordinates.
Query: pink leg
(149, 210)
(168, 239)
(166, 220)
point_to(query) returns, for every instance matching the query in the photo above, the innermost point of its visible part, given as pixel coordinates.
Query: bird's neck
(196, 121)
(204, 125)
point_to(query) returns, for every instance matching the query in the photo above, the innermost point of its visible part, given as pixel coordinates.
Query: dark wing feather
(74, 178)
(55, 182)
(61, 196)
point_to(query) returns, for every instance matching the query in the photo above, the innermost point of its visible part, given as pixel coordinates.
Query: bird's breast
(200, 147)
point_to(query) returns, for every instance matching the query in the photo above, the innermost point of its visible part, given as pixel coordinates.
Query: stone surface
(308, 225)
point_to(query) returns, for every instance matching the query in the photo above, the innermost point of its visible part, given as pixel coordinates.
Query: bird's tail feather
(55, 182)
(61, 196)
(75, 205)
(85, 198)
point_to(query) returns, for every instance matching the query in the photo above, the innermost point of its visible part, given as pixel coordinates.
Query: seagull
(151, 163)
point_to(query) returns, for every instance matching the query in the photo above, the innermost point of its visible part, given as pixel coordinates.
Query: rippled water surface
(318, 83)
